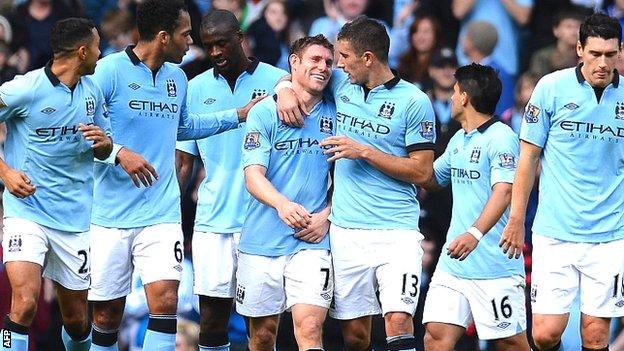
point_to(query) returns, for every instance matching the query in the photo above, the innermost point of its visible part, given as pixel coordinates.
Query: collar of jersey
(48, 71)
(389, 84)
(579, 76)
(133, 57)
(485, 125)
(251, 68)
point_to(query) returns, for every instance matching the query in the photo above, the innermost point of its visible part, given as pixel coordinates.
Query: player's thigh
(518, 342)
(554, 278)
(498, 306)
(158, 252)
(111, 263)
(399, 276)
(442, 336)
(260, 285)
(309, 278)
(602, 279)
(446, 303)
(355, 284)
(68, 262)
(215, 259)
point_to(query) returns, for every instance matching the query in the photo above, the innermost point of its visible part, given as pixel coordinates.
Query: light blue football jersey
(582, 140)
(297, 168)
(396, 118)
(148, 112)
(222, 196)
(473, 163)
(42, 116)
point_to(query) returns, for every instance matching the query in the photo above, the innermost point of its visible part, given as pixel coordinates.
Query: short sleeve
(257, 141)
(188, 146)
(503, 156)
(537, 114)
(420, 132)
(16, 96)
(442, 168)
(101, 118)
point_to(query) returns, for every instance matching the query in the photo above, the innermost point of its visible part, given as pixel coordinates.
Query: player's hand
(17, 183)
(294, 215)
(102, 143)
(342, 147)
(512, 240)
(243, 111)
(316, 231)
(290, 108)
(462, 246)
(139, 170)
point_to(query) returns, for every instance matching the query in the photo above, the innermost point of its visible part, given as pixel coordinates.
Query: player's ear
(579, 49)
(163, 37)
(368, 58)
(82, 52)
(292, 60)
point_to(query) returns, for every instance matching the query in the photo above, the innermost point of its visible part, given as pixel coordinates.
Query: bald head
(219, 21)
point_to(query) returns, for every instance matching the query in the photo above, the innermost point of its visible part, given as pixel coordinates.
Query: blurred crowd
(522, 39)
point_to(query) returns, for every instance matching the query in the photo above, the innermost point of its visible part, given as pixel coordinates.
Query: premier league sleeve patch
(252, 141)
(507, 161)
(531, 114)
(427, 130)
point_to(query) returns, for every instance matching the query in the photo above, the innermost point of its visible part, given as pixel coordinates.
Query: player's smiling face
(352, 63)
(599, 57)
(223, 48)
(179, 40)
(313, 70)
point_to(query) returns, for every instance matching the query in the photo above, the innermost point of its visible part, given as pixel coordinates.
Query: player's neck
(473, 120)
(149, 54)
(380, 74)
(67, 71)
(232, 75)
(309, 99)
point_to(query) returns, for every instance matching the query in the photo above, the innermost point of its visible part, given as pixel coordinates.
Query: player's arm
(184, 168)
(16, 182)
(292, 213)
(494, 208)
(512, 240)
(319, 225)
(102, 142)
(461, 7)
(203, 125)
(441, 175)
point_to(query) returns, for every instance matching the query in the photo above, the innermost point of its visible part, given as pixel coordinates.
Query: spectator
(187, 337)
(32, 23)
(6, 32)
(270, 36)
(616, 10)
(97, 9)
(424, 34)
(478, 44)
(506, 16)
(337, 14)
(118, 31)
(562, 54)
(7, 71)
(524, 88)
(237, 7)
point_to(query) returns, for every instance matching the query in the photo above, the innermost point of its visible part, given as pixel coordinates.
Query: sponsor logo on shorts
(178, 268)
(407, 300)
(620, 303)
(6, 339)
(533, 293)
(252, 140)
(240, 293)
(619, 110)
(15, 243)
(326, 296)
(503, 325)
(531, 114)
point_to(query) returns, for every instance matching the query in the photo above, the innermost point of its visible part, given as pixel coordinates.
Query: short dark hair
(222, 19)
(154, 16)
(602, 26)
(366, 34)
(482, 85)
(69, 33)
(299, 45)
